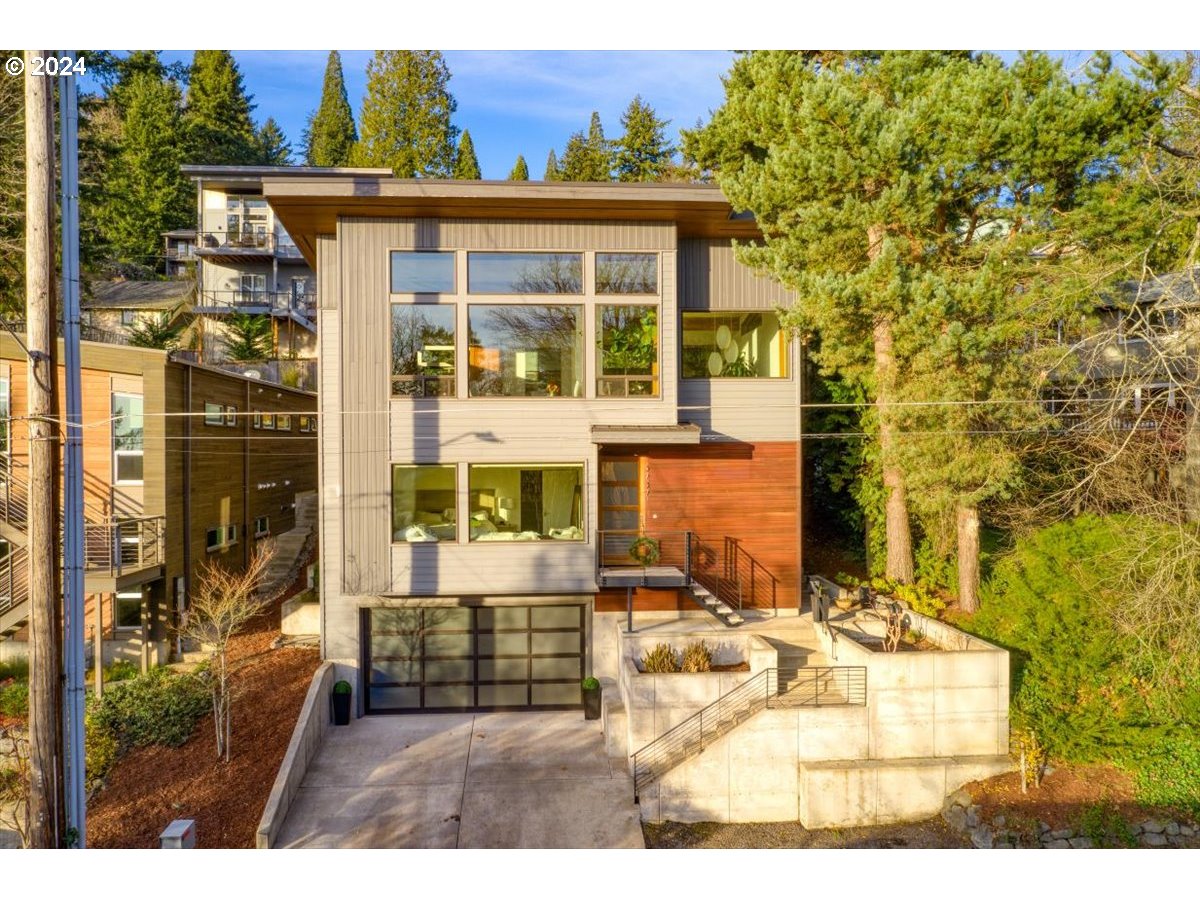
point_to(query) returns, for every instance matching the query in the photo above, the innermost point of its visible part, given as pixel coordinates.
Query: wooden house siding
(710, 277)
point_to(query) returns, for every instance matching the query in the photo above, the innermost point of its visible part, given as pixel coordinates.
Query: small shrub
(342, 687)
(920, 597)
(1169, 774)
(660, 659)
(17, 669)
(121, 670)
(697, 657)
(159, 707)
(14, 700)
(1103, 824)
(1030, 755)
(590, 683)
(101, 750)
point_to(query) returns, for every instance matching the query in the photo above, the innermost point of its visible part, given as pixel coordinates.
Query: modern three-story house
(543, 408)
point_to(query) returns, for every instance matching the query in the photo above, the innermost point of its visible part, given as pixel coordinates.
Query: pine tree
(273, 146)
(145, 192)
(553, 172)
(12, 193)
(643, 152)
(217, 117)
(405, 118)
(872, 176)
(587, 157)
(520, 171)
(331, 134)
(466, 165)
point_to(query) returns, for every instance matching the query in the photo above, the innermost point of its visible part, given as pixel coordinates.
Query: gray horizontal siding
(745, 409)
(516, 567)
(710, 277)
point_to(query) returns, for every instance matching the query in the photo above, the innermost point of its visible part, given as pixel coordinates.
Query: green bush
(920, 597)
(15, 668)
(590, 683)
(1103, 824)
(121, 670)
(101, 749)
(14, 700)
(160, 707)
(1169, 773)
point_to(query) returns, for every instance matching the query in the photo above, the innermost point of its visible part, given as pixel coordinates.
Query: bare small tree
(14, 780)
(223, 603)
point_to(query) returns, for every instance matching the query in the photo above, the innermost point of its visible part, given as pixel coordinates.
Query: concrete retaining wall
(310, 730)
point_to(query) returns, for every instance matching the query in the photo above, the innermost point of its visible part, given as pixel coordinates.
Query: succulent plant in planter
(591, 698)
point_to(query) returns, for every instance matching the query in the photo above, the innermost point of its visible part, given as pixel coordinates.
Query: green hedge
(160, 707)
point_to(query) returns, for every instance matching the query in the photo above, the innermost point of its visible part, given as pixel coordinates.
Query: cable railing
(246, 241)
(670, 550)
(114, 548)
(275, 302)
(818, 686)
(14, 579)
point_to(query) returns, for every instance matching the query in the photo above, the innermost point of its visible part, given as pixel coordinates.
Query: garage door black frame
(476, 657)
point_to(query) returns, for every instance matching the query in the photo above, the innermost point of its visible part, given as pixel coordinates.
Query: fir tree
(553, 172)
(217, 118)
(273, 146)
(247, 337)
(12, 193)
(643, 152)
(145, 192)
(466, 165)
(405, 118)
(520, 171)
(587, 157)
(331, 134)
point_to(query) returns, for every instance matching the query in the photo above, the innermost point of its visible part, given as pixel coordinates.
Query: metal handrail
(729, 710)
(612, 549)
(14, 579)
(235, 240)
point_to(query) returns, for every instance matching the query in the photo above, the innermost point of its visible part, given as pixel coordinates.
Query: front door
(620, 506)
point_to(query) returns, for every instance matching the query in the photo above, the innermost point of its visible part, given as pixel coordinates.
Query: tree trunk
(968, 558)
(46, 812)
(899, 565)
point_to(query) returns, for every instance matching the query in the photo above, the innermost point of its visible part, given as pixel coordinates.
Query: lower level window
(423, 503)
(262, 526)
(127, 610)
(219, 537)
(526, 502)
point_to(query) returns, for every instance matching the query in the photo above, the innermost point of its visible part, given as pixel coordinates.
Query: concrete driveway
(528, 780)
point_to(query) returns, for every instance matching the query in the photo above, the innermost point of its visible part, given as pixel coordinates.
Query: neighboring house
(519, 381)
(244, 261)
(179, 249)
(165, 491)
(113, 308)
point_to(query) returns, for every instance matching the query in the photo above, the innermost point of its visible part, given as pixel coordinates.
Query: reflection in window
(627, 351)
(525, 273)
(626, 273)
(422, 350)
(127, 610)
(423, 503)
(422, 272)
(733, 345)
(526, 503)
(526, 351)
(127, 438)
(4, 410)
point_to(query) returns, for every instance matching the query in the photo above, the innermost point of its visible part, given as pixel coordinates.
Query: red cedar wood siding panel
(745, 491)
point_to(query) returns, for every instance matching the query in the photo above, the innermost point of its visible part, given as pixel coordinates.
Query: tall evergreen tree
(466, 165)
(146, 194)
(553, 172)
(520, 171)
(587, 157)
(331, 134)
(217, 117)
(273, 146)
(643, 152)
(12, 192)
(878, 180)
(405, 118)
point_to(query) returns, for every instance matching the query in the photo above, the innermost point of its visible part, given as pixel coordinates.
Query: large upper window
(627, 351)
(526, 351)
(525, 273)
(127, 438)
(526, 502)
(422, 350)
(626, 273)
(733, 345)
(422, 272)
(423, 503)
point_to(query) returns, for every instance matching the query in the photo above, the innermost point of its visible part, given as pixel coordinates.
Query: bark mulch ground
(933, 833)
(1063, 796)
(150, 786)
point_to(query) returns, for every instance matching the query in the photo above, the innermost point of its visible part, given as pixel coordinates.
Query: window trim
(231, 416)
(283, 421)
(212, 417)
(560, 464)
(392, 466)
(598, 355)
(265, 531)
(452, 253)
(116, 601)
(227, 537)
(452, 303)
(117, 454)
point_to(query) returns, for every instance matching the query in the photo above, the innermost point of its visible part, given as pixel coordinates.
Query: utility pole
(73, 624)
(45, 626)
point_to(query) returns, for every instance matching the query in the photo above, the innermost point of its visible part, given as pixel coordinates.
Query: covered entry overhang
(625, 435)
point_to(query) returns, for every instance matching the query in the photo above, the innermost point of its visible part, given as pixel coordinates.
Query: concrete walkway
(510, 780)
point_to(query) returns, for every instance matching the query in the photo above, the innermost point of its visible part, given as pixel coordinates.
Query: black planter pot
(341, 709)
(591, 703)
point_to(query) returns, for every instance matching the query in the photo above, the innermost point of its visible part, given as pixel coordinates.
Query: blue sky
(512, 102)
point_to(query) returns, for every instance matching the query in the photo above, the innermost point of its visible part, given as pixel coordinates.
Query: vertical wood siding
(710, 277)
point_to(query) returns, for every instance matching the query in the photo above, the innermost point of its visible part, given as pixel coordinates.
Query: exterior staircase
(292, 548)
(775, 688)
(710, 603)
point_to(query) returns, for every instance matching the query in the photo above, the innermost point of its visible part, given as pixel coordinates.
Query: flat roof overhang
(646, 434)
(309, 207)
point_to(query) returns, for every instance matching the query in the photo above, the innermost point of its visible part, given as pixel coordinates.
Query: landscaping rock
(1153, 826)
(999, 821)
(982, 838)
(1154, 839)
(1043, 827)
(972, 816)
(1062, 834)
(1187, 831)
(1135, 830)
(1080, 843)
(959, 798)
(956, 818)
(1056, 845)
(1175, 841)
(1172, 828)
